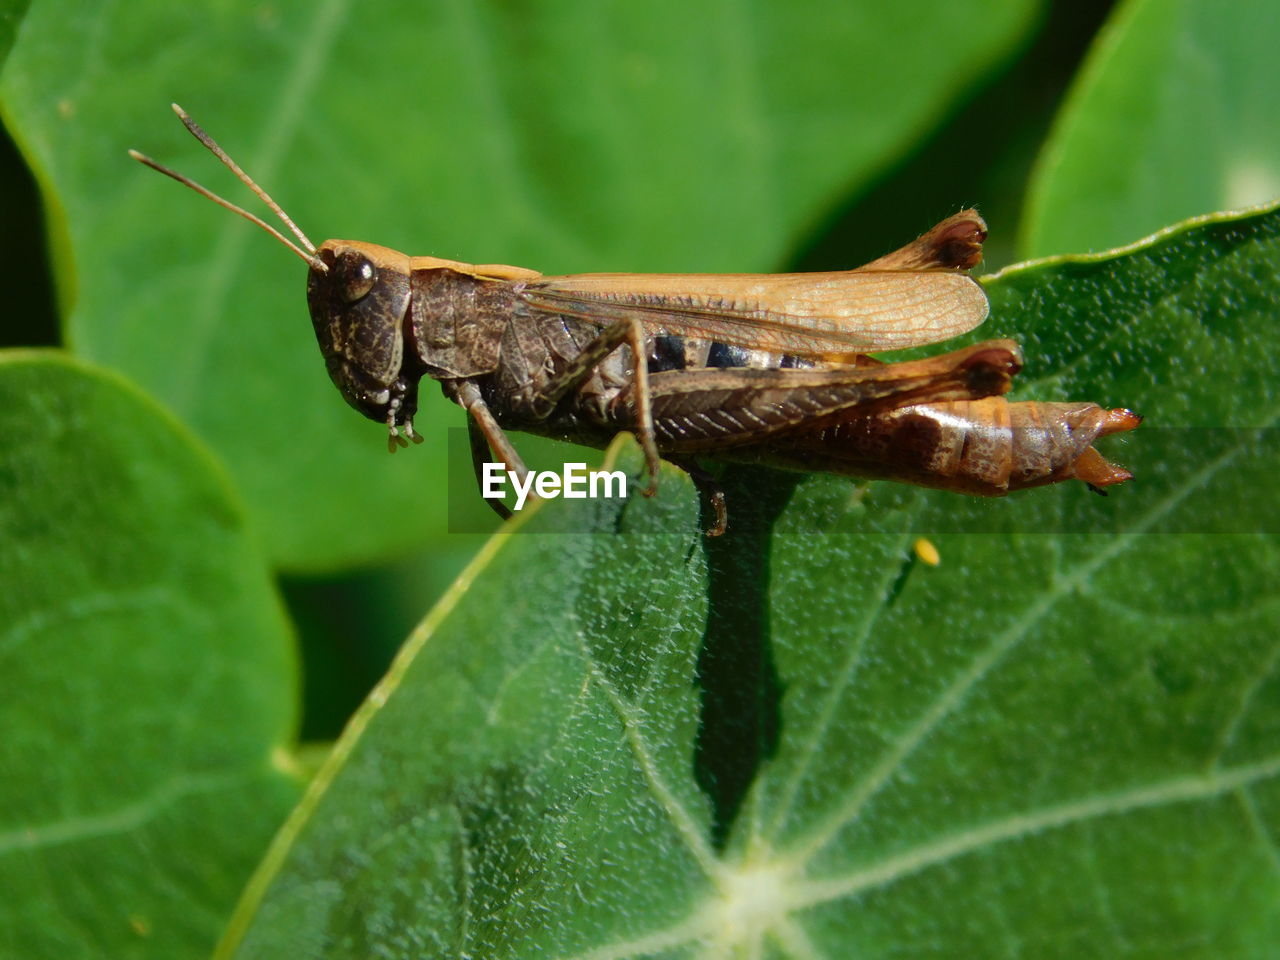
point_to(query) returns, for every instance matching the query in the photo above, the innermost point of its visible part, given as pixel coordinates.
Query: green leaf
(569, 136)
(1172, 116)
(148, 676)
(798, 741)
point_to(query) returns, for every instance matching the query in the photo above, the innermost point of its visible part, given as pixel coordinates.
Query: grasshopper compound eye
(355, 276)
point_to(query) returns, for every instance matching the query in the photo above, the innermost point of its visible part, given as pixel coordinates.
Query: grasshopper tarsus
(722, 514)
(395, 440)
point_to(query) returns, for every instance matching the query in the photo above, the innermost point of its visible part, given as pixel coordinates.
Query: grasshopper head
(359, 297)
(359, 302)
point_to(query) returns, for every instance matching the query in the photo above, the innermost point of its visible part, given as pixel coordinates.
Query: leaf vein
(1259, 827)
(835, 695)
(130, 816)
(694, 928)
(1177, 790)
(1247, 695)
(790, 936)
(680, 818)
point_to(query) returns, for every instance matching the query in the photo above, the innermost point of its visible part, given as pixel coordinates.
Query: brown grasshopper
(761, 367)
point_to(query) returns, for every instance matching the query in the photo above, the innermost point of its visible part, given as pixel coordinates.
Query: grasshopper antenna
(309, 254)
(217, 151)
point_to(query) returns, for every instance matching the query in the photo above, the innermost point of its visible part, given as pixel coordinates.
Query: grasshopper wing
(916, 295)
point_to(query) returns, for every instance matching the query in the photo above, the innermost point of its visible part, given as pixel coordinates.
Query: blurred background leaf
(798, 741)
(1173, 115)
(11, 13)
(149, 680)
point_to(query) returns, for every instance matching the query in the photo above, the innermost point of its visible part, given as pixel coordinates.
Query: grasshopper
(766, 368)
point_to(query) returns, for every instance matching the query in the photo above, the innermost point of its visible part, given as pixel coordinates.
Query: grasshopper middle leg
(580, 370)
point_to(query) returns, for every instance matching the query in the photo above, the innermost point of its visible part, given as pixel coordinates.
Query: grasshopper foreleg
(480, 454)
(487, 436)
